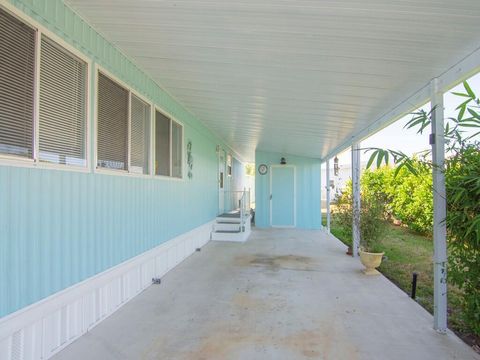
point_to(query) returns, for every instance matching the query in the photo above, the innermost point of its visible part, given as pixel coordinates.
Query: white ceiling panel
(294, 76)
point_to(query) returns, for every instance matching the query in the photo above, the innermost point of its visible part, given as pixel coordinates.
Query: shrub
(463, 226)
(376, 186)
(411, 198)
(371, 222)
(403, 196)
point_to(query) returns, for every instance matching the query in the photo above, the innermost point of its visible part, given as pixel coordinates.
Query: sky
(395, 137)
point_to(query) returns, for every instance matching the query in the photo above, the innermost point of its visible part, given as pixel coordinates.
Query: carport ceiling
(297, 76)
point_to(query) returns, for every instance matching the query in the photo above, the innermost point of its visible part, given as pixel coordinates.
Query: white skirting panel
(44, 328)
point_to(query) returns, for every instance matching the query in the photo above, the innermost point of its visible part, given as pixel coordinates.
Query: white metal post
(321, 195)
(437, 140)
(356, 198)
(327, 186)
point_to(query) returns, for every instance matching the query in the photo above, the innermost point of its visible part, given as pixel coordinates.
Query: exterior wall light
(335, 166)
(283, 161)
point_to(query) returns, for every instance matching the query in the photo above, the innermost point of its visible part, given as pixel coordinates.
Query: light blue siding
(60, 227)
(307, 189)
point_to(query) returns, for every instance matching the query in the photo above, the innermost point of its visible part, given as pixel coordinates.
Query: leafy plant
(462, 178)
(463, 226)
(371, 224)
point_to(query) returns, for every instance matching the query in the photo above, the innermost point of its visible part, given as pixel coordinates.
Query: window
(61, 102)
(123, 128)
(62, 116)
(162, 144)
(112, 124)
(140, 120)
(168, 146)
(17, 79)
(177, 144)
(229, 165)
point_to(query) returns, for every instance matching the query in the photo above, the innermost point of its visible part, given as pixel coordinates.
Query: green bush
(412, 199)
(376, 186)
(371, 222)
(463, 226)
(403, 196)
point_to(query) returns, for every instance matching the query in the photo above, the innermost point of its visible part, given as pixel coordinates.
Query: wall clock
(262, 169)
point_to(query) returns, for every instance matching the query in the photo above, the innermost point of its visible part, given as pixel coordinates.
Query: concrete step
(232, 220)
(227, 220)
(226, 226)
(225, 235)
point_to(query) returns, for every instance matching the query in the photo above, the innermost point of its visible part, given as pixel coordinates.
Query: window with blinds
(177, 143)
(140, 132)
(63, 99)
(112, 124)
(17, 77)
(162, 144)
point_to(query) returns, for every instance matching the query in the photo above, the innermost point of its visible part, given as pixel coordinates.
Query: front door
(282, 196)
(221, 181)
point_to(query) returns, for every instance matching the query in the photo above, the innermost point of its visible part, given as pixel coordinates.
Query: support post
(327, 185)
(356, 198)
(437, 140)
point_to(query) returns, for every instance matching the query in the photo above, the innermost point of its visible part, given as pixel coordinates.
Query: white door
(221, 181)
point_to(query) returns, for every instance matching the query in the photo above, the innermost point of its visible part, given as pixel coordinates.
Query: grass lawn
(407, 252)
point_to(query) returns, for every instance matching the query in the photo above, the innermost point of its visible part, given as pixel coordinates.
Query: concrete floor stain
(278, 262)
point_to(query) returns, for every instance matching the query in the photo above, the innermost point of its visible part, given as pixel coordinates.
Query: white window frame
(100, 69)
(35, 162)
(172, 119)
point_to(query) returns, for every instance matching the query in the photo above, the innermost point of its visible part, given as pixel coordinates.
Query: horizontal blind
(63, 99)
(17, 76)
(112, 125)
(176, 150)
(139, 143)
(162, 144)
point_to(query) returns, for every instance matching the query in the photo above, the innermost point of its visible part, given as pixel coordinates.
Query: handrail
(238, 200)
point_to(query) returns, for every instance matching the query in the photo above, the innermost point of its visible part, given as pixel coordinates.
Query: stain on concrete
(278, 262)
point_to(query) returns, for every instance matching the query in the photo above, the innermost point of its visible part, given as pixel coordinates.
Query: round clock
(262, 169)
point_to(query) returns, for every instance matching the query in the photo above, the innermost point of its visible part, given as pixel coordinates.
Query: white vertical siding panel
(5, 348)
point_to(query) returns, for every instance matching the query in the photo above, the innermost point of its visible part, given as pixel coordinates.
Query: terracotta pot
(371, 261)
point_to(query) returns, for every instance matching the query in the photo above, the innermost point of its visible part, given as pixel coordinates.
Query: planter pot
(371, 261)
(397, 222)
(349, 251)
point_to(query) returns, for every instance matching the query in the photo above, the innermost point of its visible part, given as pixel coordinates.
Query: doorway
(282, 196)
(221, 181)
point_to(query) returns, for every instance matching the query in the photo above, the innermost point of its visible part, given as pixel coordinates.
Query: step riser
(235, 237)
(228, 227)
(231, 224)
(228, 220)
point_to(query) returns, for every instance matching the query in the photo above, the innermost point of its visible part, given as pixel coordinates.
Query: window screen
(17, 75)
(176, 150)
(62, 127)
(140, 120)
(162, 144)
(112, 124)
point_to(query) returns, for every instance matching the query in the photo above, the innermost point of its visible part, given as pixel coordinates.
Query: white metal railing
(237, 202)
